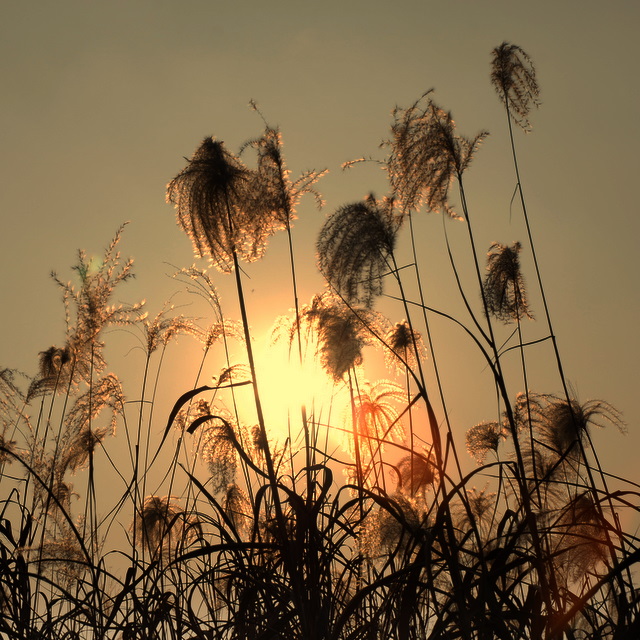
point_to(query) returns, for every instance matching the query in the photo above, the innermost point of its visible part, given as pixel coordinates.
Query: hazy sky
(101, 101)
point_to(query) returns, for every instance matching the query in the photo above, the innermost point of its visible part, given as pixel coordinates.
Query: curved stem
(547, 579)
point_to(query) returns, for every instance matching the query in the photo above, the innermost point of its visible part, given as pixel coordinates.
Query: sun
(288, 388)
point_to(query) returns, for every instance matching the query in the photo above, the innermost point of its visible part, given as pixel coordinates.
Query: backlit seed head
(513, 76)
(503, 287)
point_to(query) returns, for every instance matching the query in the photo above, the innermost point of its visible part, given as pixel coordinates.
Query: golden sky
(101, 102)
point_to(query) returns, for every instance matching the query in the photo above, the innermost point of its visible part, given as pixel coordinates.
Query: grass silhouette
(364, 521)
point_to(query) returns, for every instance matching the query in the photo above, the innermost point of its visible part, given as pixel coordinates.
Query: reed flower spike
(340, 332)
(163, 525)
(561, 424)
(514, 79)
(211, 195)
(355, 248)
(485, 437)
(417, 473)
(276, 195)
(403, 343)
(427, 155)
(503, 286)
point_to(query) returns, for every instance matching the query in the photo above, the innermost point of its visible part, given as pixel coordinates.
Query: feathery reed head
(561, 424)
(276, 195)
(75, 457)
(52, 360)
(579, 541)
(61, 558)
(375, 412)
(341, 332)
(237, 508)
(503, 287)
(514, 79)
(159, 331)
(105, 393)
(218, 451)
(212, 196)
(355, 248)
(477, 510)
(406, 347)
(485, 437)
(427, 155)
(383, 533)
(162, 526)
(89, 310)
(56, 371)
(416, 473)
(7, 447)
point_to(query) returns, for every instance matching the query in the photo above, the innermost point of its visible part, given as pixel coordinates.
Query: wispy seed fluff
(514, 79)
(504, 289)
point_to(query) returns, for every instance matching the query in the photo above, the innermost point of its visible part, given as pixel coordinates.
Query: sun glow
(287, 388)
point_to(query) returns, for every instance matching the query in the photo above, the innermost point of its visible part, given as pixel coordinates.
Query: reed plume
(275, 194)
(562, 424)
(513, 76)
(212, 196)
(478, 510)
(61, 558)
(483, 438)
(376, 413)
(427, 155)
(88, 311)
(162, 328)
(219, 453)
(7, 448)
(340, 331)
(162, 526)
(237, 508)
(405, 347)
(355, 248)
(578, 540)
(76, 455)
(417, 473)
(503, 286)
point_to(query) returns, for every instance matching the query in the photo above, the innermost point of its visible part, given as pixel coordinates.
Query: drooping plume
(212, 196)
(355, 248)
(427, 155)
(514, 79)
(276, 195)
(503, 285)
(339, 331)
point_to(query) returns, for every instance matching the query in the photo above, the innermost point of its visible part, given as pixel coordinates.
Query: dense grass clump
(366, 516)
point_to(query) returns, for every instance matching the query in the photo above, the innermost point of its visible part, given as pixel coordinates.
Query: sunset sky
(101, 102)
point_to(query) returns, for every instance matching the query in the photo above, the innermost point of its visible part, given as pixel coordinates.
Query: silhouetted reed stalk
(514, 78)
(430, 342)
(205, 192)
(450, 436)
(424, 141)
(279, 198)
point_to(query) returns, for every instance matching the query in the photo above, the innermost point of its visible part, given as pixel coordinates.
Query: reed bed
(362, 516)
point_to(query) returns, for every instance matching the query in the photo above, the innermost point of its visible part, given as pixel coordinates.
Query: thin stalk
(547, 314)
(136, 462)
(533, 250)
(547, 580)
(309, 460)
(456, 571)
(288, 559)
(432, 351)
